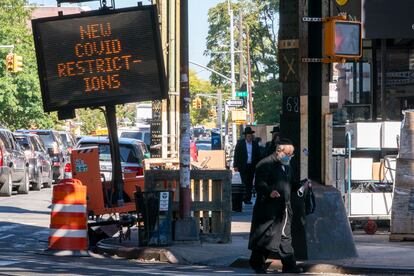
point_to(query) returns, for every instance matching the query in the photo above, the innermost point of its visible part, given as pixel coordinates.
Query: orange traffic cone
(68, 221)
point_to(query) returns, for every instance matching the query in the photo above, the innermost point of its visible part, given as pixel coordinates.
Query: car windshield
(23, 142)
(66, 140)
(47, 138)
(127, 152)
(132, 134)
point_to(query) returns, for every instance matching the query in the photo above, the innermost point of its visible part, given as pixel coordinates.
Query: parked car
(130, 150)
(40, 164)
(143, 134)
(203, 144)
(14, 172)
(55, 148)
(68, 140)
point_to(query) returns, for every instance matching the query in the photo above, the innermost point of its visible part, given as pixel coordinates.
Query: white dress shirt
(249, 152)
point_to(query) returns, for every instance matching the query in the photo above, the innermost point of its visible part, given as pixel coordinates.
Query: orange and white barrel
(68, 222)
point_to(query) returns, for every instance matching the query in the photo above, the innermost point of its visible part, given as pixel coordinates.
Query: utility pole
(172, 91)
(249, 78)
(220, 115)
(241, 60)
(233, 79)
(186, 228)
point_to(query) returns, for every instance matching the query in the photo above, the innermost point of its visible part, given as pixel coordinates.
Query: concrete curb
(313, 267)
(143, 253)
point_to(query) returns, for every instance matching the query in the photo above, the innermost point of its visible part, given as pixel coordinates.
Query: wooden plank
(197, 193)
(216, 220)
(211, 193)
(226, 215)
(206, 217)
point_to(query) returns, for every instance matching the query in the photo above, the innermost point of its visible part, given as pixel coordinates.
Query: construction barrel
(68, 222)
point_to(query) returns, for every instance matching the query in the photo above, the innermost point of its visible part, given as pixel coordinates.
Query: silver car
(14, 168)
(40, 164)
(130, 150)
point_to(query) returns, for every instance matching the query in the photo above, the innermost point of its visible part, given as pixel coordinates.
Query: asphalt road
(24, 231)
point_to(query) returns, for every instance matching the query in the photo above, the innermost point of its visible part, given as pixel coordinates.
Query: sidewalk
(376, 253)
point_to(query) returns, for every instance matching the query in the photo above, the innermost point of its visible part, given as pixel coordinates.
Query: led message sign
(99, 58)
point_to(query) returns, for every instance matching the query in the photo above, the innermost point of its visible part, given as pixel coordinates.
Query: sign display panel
(99, 58)
(347, 39)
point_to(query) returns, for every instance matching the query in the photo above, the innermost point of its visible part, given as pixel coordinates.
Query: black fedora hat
(275, 129)
(248, 130)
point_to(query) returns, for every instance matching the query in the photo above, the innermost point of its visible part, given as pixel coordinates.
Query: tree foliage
(260, 19)
(20, 97)
(197, 87)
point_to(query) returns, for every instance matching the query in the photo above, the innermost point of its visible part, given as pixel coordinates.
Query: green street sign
(241, 93)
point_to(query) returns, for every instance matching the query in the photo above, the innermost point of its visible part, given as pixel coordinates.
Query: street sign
(99, 58)
(164, 200)
(241, 93)
(234, 102)
(238, 115)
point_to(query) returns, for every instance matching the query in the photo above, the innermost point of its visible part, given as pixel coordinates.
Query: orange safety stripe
(62, 243)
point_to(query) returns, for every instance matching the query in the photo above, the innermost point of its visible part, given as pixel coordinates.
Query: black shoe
(292, 270)
(248, 202)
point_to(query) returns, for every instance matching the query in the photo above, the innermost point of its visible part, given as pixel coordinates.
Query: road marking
(5, 237)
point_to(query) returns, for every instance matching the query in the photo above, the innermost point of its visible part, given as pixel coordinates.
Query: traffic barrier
(68, 221)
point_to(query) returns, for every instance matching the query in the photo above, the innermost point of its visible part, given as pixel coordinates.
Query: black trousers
(247, 176)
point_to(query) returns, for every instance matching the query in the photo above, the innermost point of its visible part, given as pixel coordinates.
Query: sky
(198, 10)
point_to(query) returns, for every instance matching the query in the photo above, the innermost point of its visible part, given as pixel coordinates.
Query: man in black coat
(271, 145)
(272, 212)
(246, 157)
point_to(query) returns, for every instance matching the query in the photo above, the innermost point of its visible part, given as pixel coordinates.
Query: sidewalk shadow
(17, 210)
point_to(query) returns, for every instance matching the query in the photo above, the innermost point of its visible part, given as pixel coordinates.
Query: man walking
(272, 212)
(246, 157)
(271, 145)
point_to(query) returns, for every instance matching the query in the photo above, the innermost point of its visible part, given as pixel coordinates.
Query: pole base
(186, 229)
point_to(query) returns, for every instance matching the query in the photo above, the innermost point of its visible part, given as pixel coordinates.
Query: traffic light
(342, 39)
(10, 62)
(17, 63)
(197, 103)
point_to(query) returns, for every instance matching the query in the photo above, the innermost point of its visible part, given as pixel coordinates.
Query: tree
(260, 18)
(91, 120)
(20, 97)
(198, 86)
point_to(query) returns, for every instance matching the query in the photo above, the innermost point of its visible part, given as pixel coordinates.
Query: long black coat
(271, 216)
(240, 154)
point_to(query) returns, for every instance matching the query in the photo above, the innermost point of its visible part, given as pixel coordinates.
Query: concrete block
(325, 234)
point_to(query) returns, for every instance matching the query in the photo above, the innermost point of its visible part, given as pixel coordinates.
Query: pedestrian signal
(9, 62)
(17, 63)
(342, 39)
